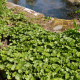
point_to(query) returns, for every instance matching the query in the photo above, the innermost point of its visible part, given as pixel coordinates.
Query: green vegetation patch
(2, 6)
(35, 54)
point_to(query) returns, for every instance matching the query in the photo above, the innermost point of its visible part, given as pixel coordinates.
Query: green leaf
(78, 54)
(1, 43)
(67, 76)
(2, 66)
(13, 67)
(17, 77)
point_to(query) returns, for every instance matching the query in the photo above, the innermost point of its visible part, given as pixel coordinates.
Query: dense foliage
(2, 6)
(35, 54)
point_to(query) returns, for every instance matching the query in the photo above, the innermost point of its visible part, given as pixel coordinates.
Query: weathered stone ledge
(74, 1)
(52, 24)
(21, 8)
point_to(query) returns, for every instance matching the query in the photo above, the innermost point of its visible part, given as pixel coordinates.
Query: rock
(59, 27)
(18, 8)
(74, 1)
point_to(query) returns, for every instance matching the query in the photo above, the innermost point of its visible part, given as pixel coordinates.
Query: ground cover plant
(31, 53)
(2, 6)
